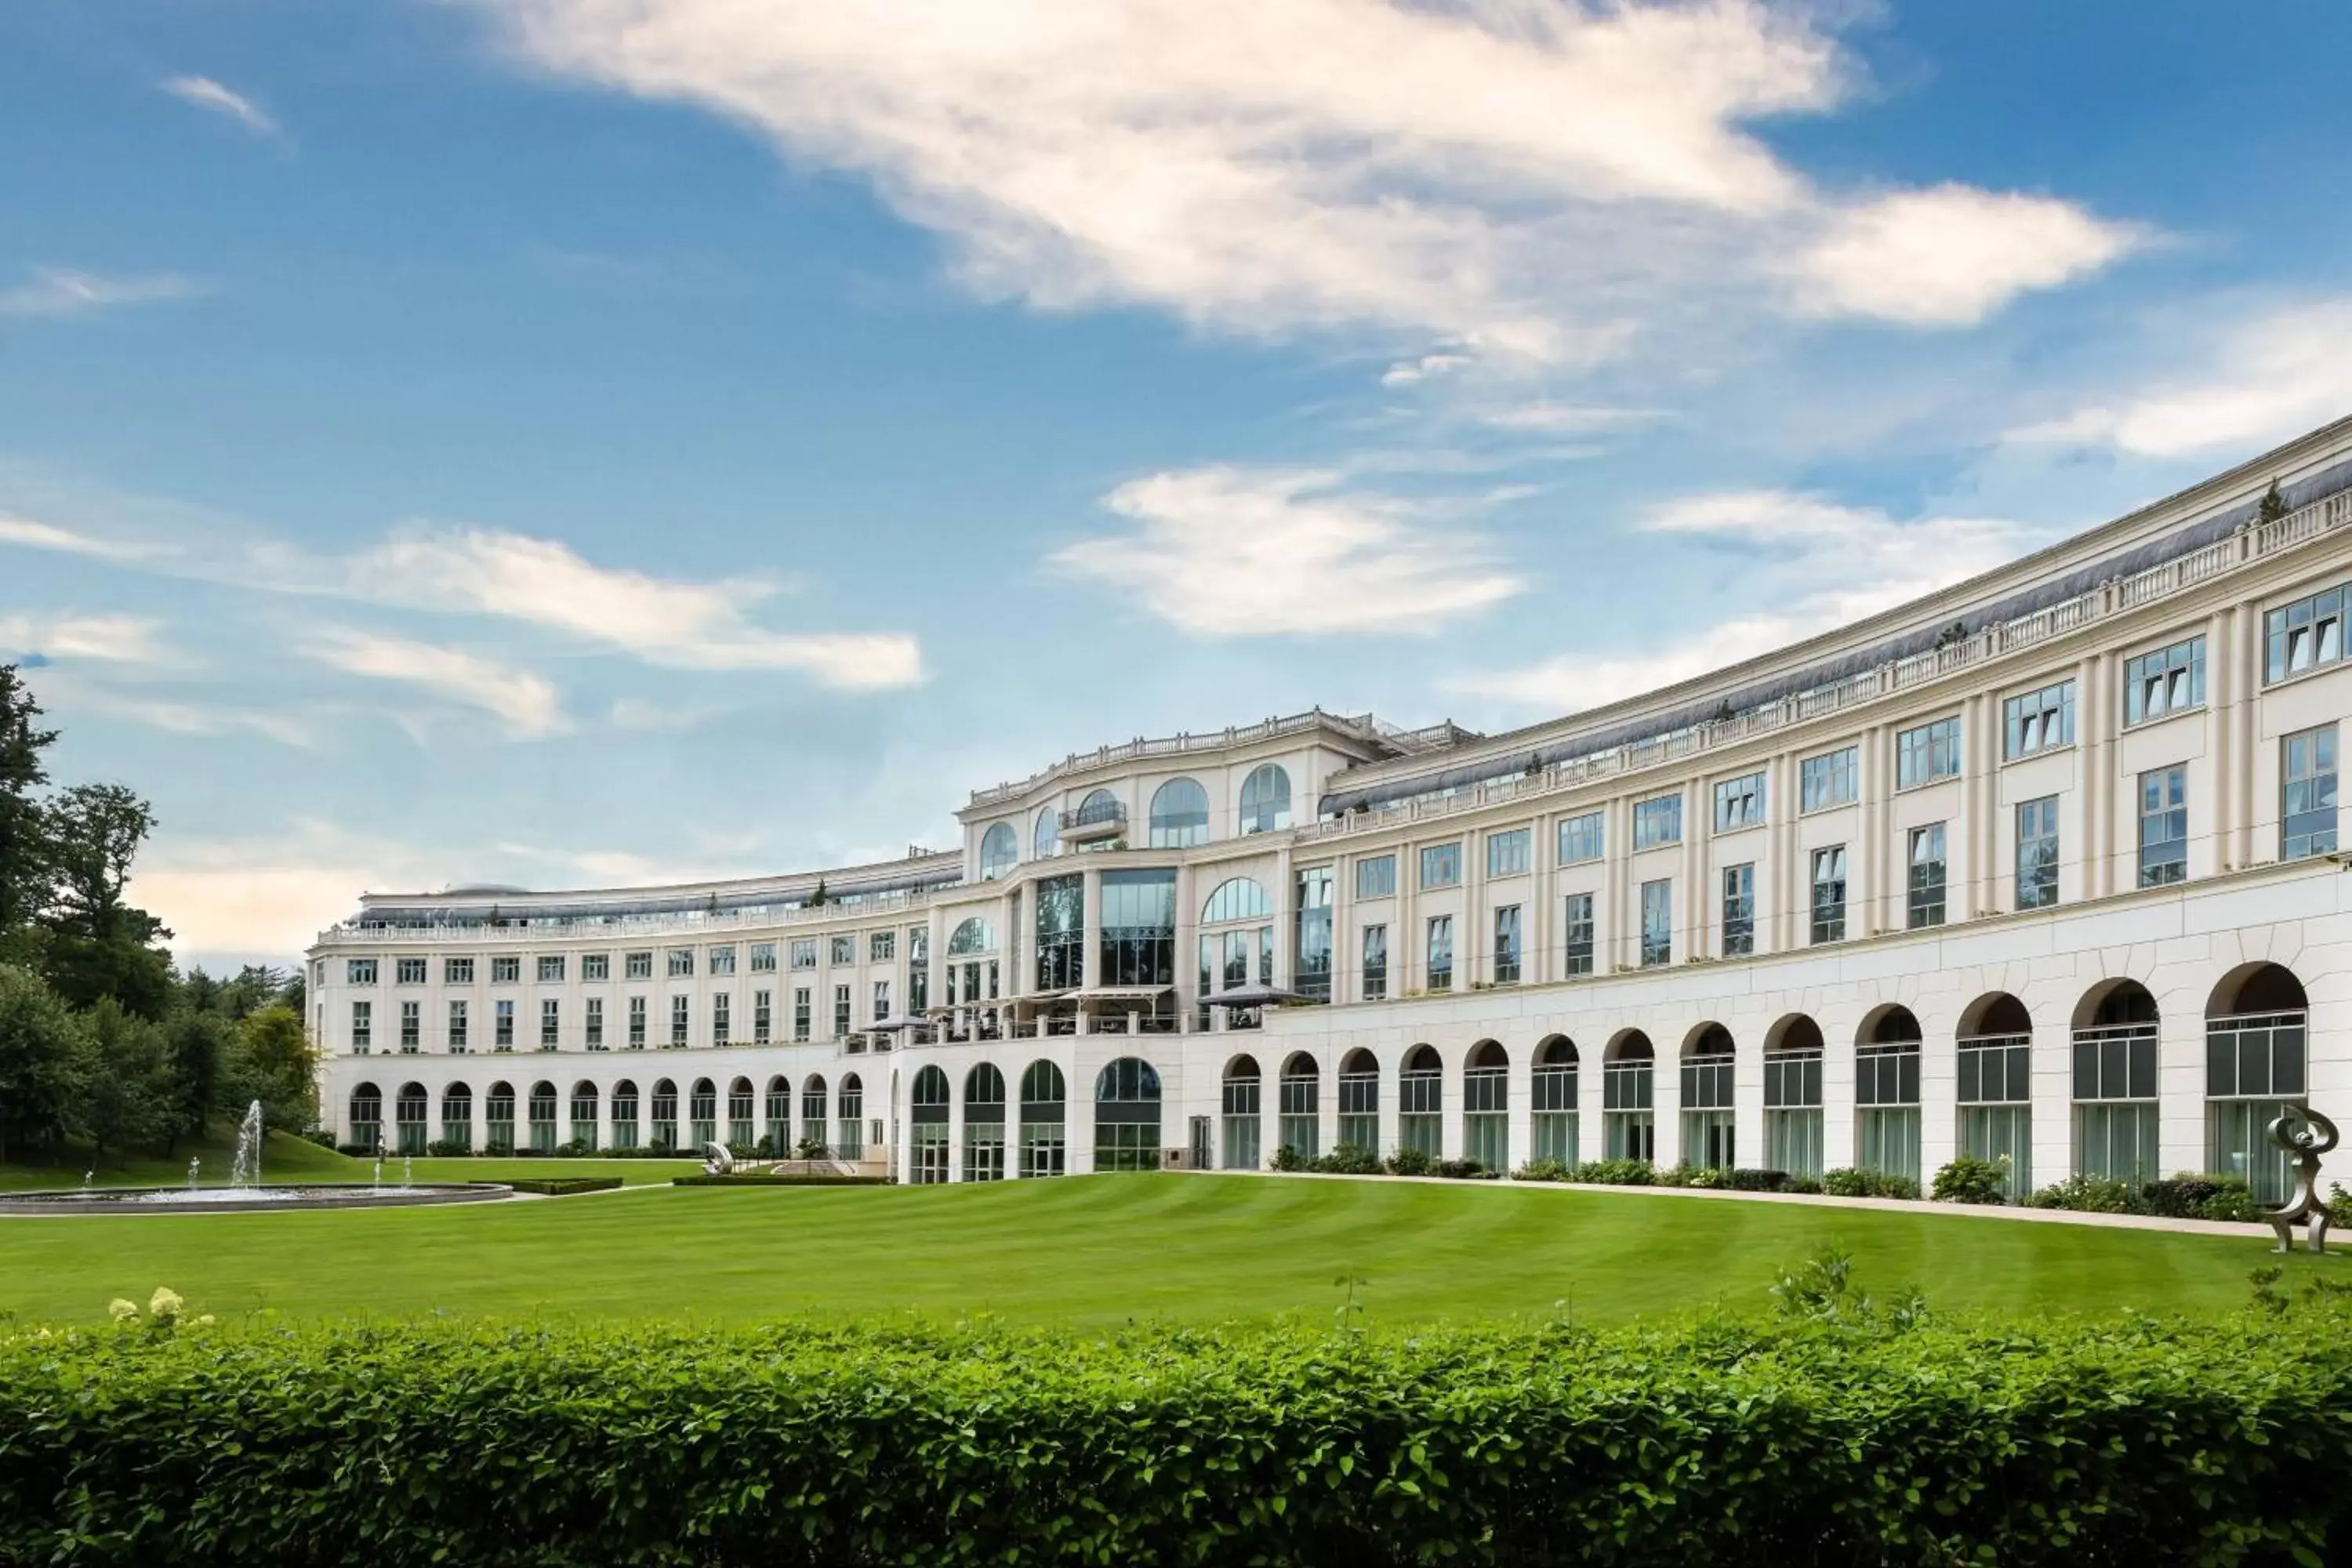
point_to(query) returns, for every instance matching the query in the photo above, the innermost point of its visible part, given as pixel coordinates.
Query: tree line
(104, 1042)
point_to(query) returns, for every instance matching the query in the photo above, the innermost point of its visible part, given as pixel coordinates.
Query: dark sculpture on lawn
(2304, 1135)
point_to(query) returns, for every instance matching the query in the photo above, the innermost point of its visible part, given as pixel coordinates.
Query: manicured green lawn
(290, 1159)
(1094, 1250)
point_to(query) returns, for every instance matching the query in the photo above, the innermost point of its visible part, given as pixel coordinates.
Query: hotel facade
(2044, 866)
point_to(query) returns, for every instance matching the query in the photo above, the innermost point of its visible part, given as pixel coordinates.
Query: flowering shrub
(1849, 1183)
(1969, 1180)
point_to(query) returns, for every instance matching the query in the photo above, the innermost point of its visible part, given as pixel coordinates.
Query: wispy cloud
(1226, 551)
(31, 535)
(1532, 182)
(110, 639)
(56, 291)
(215, 98)
(528, 702)
(1823, 564)
(2252, 381)
(203, 719)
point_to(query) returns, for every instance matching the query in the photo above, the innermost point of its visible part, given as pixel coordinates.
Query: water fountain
(244, 1169)
(193, 1165)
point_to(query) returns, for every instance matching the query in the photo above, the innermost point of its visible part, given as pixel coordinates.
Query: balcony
(1096, 822)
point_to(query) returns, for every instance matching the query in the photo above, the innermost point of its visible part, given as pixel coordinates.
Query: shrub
(1849, 1183)
(1811, 1186)
(562, 1186)
(1410, 1162)
(1286, 1158)
(1541, 1171)
(1618, 1174)
(324, 1137)
(778, 1179)
(1462, 1169)
(1757, 1180)
(1349, 1160)
(447, 1148)
(1836, 1435)
(1969, 1180)
(2086, 1194)
(2189, 1195)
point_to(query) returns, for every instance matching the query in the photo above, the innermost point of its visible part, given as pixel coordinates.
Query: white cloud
(1532, 178)
(32, 535)
(2258, 381)
(1823, 563)
(1428, 367)
(112, 639)
(1226, 551)
(1555, 418)
(214, 98)
(1951, 256)
(58, 291)
(526, 701)
(193, 718)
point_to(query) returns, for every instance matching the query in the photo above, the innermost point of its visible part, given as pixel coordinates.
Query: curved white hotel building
(2043, 865)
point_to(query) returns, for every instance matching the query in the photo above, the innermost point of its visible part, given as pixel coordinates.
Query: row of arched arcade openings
(2256, 1030)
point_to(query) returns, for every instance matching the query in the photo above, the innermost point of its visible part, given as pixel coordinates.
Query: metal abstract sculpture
(718, 1162)
(2306, 1135)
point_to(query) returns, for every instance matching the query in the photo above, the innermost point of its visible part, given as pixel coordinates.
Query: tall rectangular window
(2308, 794)
(637, 1022)
(1829, 893)
(550, 1024)
(412, 1026)
(1739, 803)
(1376, 962)
(2305, 635)
(841, 1019)
(502, 1025)
(363, 1027)
(2040, 721)
(1576, 919)
(2168, 680)
(1580, 838)
(1062, 933)
(1923, 892)
(1738, 910)
(1507, 852)
(595, 966)
(2037, 853)
(592, 1023)
(1507, 944)
(681, 962)
(1310, 953)
(1657, 923)
(458, 1023)
(1375, 875)
(1929, 752)
(882, 946)
(457, 972)
(763, 1017)
(551, 969)
(681, 1020)
(1441, 866)
(637, 966)
(722, 1019)
(1658, 820)
(2163, 826)
(1833, 778)
(1441, 953)
(800, 1012)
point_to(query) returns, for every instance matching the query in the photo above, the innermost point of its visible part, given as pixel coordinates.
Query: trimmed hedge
(561, 1186)
(2128, 1441)
(776, 1179)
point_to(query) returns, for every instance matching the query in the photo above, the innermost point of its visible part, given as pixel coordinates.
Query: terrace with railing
(1363, 728)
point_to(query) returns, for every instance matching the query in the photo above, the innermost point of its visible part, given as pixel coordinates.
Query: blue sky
(567, 441)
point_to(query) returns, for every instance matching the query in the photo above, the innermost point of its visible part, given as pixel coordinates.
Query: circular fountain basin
(246, 1200)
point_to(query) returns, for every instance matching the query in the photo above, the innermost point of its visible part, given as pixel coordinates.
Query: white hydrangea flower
(165, 1302)
(121, 1310)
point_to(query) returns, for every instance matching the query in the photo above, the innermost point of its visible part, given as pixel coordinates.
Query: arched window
(1179, 814)
(1243, 1121)
(1707, 1098)
(408, 1113)
(1265, 799)
(816, 1112)
(1047, 837)
(742, 1129)
(849, 1134)
(984, 1124)
(2257, 1024)
(1486, 1106)
(1421, 1103)
(583, 1116)
(457, 1119)
(543, 1118)
(1236, 898)
(1793, 1048)
(1994, 1053)
(1628, 1125)
(1100, 805)
(930, 1089)
(973, 935)
(1127, 1116)
(999, 852)
(1359, 1101)
(926, 1108)
(367, 1116)
(498, 1118)
(663, 1115)
(624, 1114)
(1551, 1121)
(1302, 1108)
(702, 1112)
(1886, 1093)
(1043, 1149)
(2114, 1035)
(779, 1108)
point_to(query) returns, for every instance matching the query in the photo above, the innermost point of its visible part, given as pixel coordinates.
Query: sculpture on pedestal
(2306, 1135)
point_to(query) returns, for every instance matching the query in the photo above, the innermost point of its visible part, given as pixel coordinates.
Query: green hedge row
(2135, 1441)
(562, 1186)
(778, 1179)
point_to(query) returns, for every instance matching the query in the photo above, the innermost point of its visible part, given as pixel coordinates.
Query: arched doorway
(2114, 1035)
(1044, 1120)
(1239, 1106)
(984, 1124)
(742, 1124)
(662, 1114)
(2257, 1027)
(457, 1120)
(1359, 1101)
(1127, 1116)
(1792, 1096)
(816, 1118)
(1708, 1119)
(584, 1117)
(366, 1117)
(543, 1118)
(1551, 1116)
(1886, 1092)
(1421, 1103)
(1486, 1106)
(498, 1119)
(1302, 1106)
(624, 1114)
(928, 1110)
(778, 1139)
(702, 1114)
(409, 1109)
(1628, 1121)
(849, 1121)
(1995, 1060)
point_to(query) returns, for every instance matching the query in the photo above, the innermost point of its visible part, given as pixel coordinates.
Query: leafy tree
(270, 1060)
(100, 944)
(122, 1091)
(38, 1034)
(196, 1051)
(24, 834)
